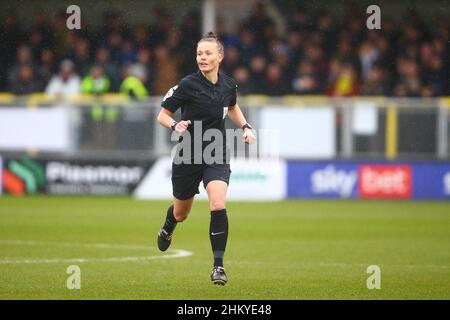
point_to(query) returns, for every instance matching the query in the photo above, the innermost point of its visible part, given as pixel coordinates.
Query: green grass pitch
(276, 250)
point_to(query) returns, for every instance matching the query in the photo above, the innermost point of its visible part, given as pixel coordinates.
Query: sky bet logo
(330, 180)
(385, 181)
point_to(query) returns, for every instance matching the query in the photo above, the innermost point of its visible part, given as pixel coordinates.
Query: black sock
(218, 234)
(171, 222)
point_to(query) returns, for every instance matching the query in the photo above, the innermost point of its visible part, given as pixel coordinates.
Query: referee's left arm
(238, 118)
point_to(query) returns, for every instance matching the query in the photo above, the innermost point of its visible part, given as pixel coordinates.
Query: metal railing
(115, 127)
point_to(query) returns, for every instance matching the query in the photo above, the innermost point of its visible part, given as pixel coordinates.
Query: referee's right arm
(165, 119)
(172, 101)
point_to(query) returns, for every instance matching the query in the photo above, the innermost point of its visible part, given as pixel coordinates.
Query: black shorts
(186, 177)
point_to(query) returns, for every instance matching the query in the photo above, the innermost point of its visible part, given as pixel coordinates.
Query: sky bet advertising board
(347, 180)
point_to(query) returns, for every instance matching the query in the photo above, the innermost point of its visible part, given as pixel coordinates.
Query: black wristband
(174, 124)
(245, 126)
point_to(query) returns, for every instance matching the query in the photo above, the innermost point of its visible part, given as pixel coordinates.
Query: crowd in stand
(317, 54)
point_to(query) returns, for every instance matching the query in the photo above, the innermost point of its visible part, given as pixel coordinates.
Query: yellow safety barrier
(391, 132)
(7, 98)
(36, 99)
(115, 99)
(251, 100)
(446, 101)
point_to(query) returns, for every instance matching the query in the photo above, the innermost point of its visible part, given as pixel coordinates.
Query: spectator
(280, 55)
(275, 83)
(42, 25)
(434, 75)
(111, 69)
(10, 36)
(295, 43)
(427, 92)
(257, 73)
(141, 36)
(144, 58)
(179, 52)
(81, 56)
(23, 57)
(386, 55)
(259, 24)
(66, 82)
(346, 82)
(46, 68)
(36, 43)
(249, 47)
(160, 29)
(114, 43)
(344, 50)
(96, 82)
(26, 83)
(400, 90)
(242, 76)
(409, 77)
(376, 83)
(314, 53)
(128, 53)
(133, 83)
(63, 39)
(368, 54)
(416, 54)
(299, 20)
(166, 71)
(191, 28)
(231, 60)
(306, 79)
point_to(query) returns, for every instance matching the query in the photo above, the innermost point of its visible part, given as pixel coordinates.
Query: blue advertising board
(375, 180)
(322, 180)
(431, 181)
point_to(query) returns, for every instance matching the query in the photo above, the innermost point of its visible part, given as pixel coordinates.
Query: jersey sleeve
(234, 96)
(175, 97)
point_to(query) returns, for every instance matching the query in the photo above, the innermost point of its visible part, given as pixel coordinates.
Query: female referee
(204, 97)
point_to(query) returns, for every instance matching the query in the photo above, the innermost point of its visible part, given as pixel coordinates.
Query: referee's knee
(180, 217)
(217, 205)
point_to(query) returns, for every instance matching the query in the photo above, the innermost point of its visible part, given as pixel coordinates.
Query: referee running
(205, 97)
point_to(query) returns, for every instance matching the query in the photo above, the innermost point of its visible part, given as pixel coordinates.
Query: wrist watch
(174, 124)
(247, 126)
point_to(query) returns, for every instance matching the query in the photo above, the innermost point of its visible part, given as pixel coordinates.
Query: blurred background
(360, 113)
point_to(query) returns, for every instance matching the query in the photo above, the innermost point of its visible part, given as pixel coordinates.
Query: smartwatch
(247, 126)
(174, 124)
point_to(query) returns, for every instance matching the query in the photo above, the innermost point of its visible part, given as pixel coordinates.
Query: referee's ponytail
(212, 37)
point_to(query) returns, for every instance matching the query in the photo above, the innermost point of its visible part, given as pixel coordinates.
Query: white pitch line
(412, 266)
(74, 244)
(175, 253)
(341, 265)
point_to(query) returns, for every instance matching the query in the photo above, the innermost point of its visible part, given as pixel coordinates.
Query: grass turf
(276, 250)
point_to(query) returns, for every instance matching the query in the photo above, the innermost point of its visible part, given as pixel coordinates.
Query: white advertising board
(44, 129)
(250, 180)
(304, 133)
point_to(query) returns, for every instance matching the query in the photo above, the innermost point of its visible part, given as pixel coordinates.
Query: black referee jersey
(201, 100)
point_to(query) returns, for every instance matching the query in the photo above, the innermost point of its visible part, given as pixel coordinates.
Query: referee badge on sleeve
(225, 111)
(170, 92)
